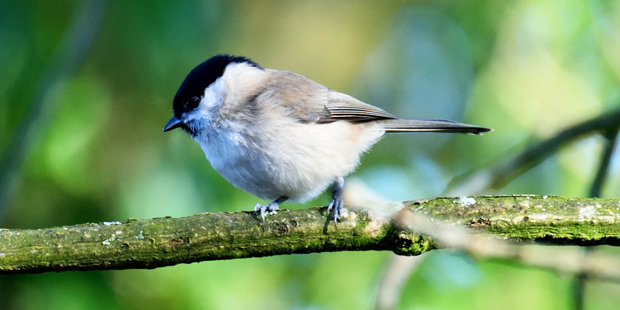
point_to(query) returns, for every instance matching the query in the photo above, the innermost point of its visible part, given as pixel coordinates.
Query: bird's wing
(344, 107)
(311, 102)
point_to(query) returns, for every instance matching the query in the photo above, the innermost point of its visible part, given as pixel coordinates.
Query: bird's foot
(337, 202)
(271, 207)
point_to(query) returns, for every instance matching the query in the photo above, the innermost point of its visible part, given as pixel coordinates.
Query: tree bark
(168, 241)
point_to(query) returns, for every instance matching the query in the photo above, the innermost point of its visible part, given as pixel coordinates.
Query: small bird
(279, 135)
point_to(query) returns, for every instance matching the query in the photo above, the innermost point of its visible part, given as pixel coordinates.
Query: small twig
(578, 289)
(393, 279)
(611, 137)
(74, 49)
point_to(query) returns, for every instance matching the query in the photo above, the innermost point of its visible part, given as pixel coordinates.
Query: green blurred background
(525, 68)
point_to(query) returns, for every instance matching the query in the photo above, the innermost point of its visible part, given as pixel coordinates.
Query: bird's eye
(194, 102)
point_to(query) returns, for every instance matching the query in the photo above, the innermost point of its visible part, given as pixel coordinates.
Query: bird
(279, 135)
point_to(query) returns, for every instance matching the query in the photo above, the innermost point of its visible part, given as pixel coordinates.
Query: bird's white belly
(289, 159)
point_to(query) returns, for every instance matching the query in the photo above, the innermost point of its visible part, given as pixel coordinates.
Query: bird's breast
(284, 157)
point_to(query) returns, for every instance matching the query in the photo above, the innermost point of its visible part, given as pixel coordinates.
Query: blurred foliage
(525, 68)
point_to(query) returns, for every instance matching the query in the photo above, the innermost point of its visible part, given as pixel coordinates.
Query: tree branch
(216, 236)
(571, 260)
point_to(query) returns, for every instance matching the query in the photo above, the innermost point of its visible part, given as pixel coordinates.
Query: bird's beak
(173, 123)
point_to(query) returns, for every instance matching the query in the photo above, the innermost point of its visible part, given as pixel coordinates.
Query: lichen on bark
(159, 242)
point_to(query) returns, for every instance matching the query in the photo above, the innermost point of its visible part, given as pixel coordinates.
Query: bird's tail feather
(411, 125)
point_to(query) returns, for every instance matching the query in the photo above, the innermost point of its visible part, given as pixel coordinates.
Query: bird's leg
(337, 202)
(273, 206)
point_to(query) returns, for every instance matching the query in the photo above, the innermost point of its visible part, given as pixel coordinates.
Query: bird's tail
(412, 125)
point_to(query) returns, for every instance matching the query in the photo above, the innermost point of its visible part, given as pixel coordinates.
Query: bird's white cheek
(213, 96)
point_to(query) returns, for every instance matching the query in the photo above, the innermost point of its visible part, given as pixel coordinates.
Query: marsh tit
(279, 135)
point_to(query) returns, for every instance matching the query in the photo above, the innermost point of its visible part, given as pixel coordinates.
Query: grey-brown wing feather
(345, 107)
(311, 102)
(414, 125)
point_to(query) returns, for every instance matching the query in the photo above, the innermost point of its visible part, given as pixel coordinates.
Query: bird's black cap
(191, 90)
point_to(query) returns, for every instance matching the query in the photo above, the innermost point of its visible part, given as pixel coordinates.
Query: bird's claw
(337, 204)
(263, 209)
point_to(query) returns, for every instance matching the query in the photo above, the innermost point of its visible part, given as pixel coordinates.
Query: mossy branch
(216, 236)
